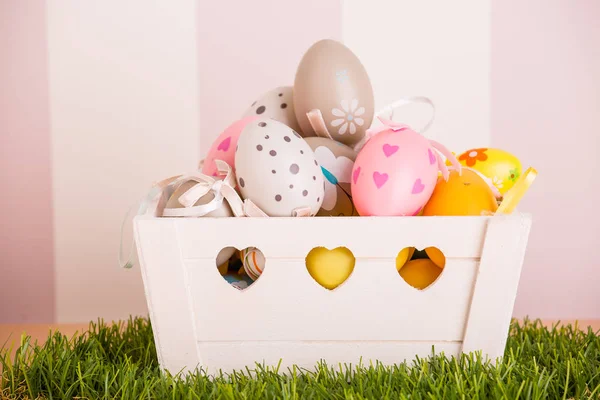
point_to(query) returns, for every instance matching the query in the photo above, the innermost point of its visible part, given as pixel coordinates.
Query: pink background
(26, 238)
(546, 106)
(545, 109)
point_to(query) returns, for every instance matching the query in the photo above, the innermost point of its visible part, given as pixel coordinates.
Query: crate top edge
(344, 220)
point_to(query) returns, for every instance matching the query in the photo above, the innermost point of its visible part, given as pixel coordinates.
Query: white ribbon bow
(403, 101)
(222, 190)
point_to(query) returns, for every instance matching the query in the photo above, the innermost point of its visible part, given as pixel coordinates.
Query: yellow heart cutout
(330, 268)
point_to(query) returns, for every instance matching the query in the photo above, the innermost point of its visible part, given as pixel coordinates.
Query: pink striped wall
(545, 103)
(26, 245)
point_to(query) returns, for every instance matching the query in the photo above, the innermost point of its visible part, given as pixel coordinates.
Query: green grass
(120, 362)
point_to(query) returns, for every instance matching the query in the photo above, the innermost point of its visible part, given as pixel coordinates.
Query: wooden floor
(11, 334)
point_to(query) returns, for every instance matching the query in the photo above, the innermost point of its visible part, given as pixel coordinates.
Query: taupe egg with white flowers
(331, 79)
(336, 160)
(277, 170)
(278, 104)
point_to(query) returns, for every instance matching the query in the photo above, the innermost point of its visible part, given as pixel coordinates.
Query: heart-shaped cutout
(330, 268)
(241, 268)
(420, 268)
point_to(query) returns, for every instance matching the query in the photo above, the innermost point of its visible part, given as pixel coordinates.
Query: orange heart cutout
(420, 269)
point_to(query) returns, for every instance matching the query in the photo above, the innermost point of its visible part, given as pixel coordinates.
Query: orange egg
(436, 256)
(420, 273)
(465, 194)
(404, 256)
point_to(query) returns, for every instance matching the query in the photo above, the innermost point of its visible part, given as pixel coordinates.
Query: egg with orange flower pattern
(502, 167)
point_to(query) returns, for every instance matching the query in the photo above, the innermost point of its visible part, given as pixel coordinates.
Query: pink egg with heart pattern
(396, 171)
(223, 148)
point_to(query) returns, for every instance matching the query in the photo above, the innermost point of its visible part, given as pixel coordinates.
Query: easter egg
(404, 256)
(500, 166)
(223, 148)
(330, 78)
(238, 281)
(277, 104)
(436, 256)
(336, 160)
(277, 169)
(223, 268)
(222, 211)
(463, 194)
(394, 174)
(253, 261)
(330, 268)
(420, 273)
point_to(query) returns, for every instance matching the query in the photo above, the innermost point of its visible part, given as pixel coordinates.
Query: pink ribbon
(315, 118)
(387, 124)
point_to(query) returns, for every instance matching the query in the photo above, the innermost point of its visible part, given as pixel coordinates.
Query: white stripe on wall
(124, 113)
(430, 48)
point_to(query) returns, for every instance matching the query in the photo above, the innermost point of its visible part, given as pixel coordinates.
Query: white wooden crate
(201, 321)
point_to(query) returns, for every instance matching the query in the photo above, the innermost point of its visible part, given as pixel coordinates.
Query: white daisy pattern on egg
(335, 170)
(350, 116)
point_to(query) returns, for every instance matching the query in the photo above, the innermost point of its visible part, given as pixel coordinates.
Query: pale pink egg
(223, 148)
(394, 174)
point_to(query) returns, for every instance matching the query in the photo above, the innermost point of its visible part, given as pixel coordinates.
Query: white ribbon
(403, 101)
(158, 189)
(222, 190)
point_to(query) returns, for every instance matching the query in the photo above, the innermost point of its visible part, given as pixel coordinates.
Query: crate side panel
(496, 285)
(373, 237)
(375, 303)
(229, 356)
(164, 284)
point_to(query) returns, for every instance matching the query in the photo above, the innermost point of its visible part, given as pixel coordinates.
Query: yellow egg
(404, 255)
(330, 268)
(500, 166)
(420, 273)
